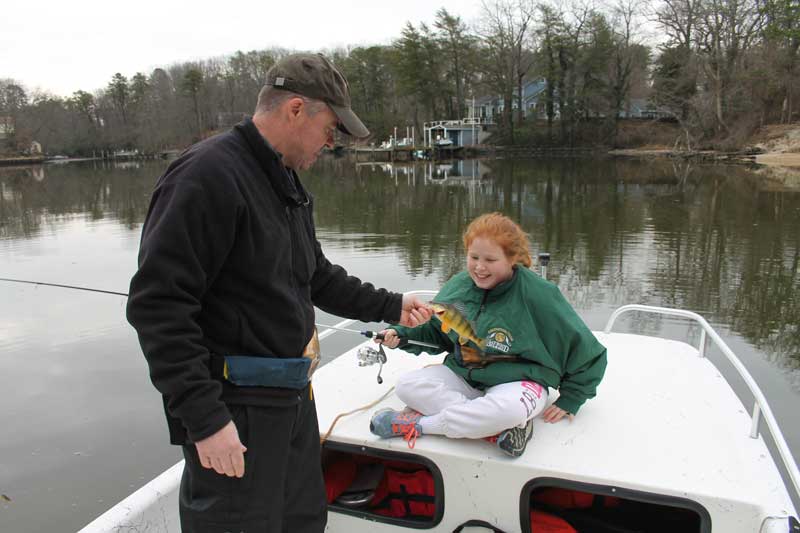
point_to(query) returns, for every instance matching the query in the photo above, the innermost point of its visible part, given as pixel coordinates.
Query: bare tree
(726, 31)
(627, 50)
(505, 27)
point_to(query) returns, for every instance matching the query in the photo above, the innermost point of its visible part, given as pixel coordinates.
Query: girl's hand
(390, 338)
(554, 413)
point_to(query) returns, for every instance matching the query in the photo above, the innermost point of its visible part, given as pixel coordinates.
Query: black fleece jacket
(229, 264)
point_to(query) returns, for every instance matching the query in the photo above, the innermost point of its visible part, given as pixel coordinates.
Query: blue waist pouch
(249, 371)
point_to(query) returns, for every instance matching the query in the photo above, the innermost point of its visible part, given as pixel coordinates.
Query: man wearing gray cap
(223, 302)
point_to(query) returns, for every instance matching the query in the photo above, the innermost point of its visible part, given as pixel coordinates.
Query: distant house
(642, 108)
(492, 106)
(534, 105)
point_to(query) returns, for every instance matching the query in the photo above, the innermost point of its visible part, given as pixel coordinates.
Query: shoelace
(407, 426)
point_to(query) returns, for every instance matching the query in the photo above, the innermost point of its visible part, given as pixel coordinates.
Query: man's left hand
(415, 311)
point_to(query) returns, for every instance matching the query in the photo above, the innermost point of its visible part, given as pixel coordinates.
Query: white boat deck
(665, 425)
(664, 421)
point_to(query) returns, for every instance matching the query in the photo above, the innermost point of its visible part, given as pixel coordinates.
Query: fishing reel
(368, 356)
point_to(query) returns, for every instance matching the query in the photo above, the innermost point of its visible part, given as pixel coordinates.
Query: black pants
(282, 490)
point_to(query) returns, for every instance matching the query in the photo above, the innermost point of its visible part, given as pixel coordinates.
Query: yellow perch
(452, 318)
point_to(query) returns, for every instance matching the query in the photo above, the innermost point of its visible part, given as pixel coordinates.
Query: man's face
(312, 133)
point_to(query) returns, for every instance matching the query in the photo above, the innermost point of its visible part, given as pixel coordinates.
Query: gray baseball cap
(313, 76)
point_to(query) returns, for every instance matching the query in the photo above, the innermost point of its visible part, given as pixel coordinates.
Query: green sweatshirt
(525, 316)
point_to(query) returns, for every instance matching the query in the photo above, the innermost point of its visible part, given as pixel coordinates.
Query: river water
(82, 427)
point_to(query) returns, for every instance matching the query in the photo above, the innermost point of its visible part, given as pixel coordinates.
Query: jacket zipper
(291, 248)
(483, 304)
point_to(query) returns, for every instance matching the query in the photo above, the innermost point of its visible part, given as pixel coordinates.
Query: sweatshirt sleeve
(428, 332)
(185, 240)
(584, 356)
(580, 382)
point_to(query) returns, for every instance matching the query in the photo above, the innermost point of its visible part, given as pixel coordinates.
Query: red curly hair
(505, 232)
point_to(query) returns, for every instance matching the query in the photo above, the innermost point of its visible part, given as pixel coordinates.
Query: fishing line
(63, 286)
(335, 420)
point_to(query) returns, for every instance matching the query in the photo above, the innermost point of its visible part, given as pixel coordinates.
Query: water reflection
(716, 239)
(31, 198)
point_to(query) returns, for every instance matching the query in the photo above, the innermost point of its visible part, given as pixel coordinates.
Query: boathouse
(456, 133)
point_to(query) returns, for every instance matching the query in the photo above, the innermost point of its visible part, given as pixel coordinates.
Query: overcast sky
(61, 47)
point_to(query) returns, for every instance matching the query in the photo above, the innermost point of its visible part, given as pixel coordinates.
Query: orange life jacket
(572, 499)
(542, 522)
(338, 477)
(404, 494)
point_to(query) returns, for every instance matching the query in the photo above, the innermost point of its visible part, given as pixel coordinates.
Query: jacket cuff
(569, 403)
(209, 425)
(394, 308)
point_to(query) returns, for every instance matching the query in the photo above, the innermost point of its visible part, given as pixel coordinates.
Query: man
(229, 272)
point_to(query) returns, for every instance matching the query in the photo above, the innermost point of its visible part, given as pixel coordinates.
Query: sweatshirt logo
(499, 339)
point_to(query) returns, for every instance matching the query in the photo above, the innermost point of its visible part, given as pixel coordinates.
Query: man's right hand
(223, 451)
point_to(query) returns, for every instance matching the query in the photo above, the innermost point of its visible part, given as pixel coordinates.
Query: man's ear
(294, 106)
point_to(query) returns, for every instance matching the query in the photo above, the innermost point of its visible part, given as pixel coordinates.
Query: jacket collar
(283, 179)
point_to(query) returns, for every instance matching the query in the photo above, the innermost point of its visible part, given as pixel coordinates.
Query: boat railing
(760, 406)
(349, 321)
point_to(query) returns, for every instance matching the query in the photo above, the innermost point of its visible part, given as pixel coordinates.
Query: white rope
(348, 413)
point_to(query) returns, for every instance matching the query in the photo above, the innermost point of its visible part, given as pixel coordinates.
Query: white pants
(453, 408)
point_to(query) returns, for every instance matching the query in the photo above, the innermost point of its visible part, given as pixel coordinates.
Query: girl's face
(487, 264)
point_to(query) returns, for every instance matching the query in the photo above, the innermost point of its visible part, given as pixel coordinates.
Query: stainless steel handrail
(760, 405)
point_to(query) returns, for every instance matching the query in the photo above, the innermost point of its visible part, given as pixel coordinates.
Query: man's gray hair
(271, 98)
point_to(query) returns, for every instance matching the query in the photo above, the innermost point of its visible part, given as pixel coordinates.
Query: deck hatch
(381, 483)
(604, 508)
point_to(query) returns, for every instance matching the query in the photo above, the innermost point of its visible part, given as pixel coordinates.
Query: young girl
(529, 337)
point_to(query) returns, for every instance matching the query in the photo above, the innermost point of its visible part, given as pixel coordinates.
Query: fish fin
(460, 307)
(462, 310)
(462, 341)
(445, 327)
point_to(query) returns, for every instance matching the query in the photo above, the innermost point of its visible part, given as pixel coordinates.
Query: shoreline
(783, 160)
(779, 159)
(767, 159)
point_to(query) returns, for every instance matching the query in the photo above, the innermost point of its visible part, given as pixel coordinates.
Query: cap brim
(349, 123)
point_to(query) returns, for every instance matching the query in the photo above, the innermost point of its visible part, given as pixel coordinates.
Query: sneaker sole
(514, 443)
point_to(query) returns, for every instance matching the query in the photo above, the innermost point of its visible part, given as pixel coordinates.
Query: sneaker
(513, 441)
(390, 423)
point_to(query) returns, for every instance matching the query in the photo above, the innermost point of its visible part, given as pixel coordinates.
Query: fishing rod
(370, 334)
(367, 333)
(63, 286)
(366, 355)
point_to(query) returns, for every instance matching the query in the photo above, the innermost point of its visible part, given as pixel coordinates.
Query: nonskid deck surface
(664, 421)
